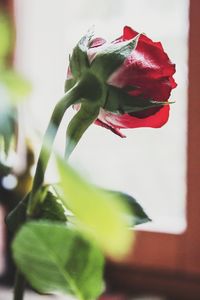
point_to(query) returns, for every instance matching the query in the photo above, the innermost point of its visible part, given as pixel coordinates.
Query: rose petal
(128, 34)
(97, 42)
(69, 73)
(115, 121)
(96, 46)
(148, 67)
(114, 130)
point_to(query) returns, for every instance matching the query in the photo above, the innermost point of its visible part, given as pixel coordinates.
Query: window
(155, 176)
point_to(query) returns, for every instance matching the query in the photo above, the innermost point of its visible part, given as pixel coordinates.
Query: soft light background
(150, 164)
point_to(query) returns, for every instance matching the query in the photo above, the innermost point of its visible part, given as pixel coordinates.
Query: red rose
(140, 85)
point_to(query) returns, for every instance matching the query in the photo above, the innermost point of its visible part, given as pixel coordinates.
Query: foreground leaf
(54, 258)
(100, 215)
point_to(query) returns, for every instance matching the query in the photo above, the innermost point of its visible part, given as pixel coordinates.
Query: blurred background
(149, 164)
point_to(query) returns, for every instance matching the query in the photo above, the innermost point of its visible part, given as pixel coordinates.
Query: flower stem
(87, 88)
(19, 286)
(68, 99)
(79, 124)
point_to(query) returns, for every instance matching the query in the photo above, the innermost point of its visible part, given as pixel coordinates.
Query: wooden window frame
(166, 263)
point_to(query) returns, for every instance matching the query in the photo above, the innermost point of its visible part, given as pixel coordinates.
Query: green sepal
(69, 83)
(111, 57)
(79, 59)
(136, 215)
(119, 101)
(54, 258)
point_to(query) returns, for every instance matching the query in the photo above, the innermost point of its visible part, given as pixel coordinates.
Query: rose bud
(129, 80)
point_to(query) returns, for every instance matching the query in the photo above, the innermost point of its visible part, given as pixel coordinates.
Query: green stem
(68, 99)
(79, 124)
(19, 286)
(88, 88)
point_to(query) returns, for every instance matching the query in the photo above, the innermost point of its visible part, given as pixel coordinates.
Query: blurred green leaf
(137, 214)
(13, 89)
(18, 87)
(7, 120)
(5, 35)
(100, 215)
(54, 258)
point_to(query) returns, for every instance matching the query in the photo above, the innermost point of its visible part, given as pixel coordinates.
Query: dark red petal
(148, 68)
(172, 82)
(145, 113)
(156, 120)
(129, 33)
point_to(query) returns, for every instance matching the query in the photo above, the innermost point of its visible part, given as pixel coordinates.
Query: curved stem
(88, 88)
(68, 99)
(79, 124)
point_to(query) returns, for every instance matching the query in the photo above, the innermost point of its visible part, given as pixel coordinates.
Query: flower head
(135, 76)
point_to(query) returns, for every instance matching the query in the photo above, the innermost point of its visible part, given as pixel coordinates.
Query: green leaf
(112, 57)
(52, 209)
(49, 208)
(56, 259)
(79, 60)
(100, 216)
(137, 214)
